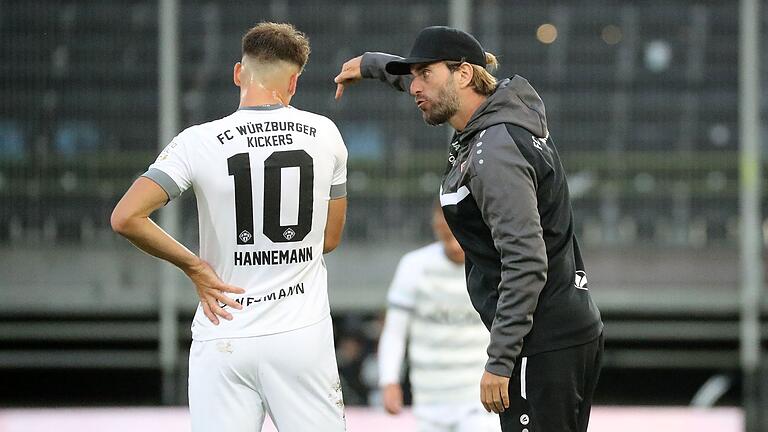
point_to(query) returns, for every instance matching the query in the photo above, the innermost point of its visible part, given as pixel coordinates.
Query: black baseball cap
(438, 43)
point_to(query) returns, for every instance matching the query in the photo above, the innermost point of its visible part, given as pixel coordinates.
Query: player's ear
(236, 74)
(293, 83)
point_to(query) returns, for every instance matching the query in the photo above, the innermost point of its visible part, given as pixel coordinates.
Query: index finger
(231, 288)
(227, 301)
(345, 74)
(339, 90)
(505, 396)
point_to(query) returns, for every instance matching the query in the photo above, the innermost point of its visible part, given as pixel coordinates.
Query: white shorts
(455, 417)
(292, 376)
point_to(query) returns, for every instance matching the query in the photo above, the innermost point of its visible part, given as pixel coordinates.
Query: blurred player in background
(505, 197)
(429, 307)
(270, 183)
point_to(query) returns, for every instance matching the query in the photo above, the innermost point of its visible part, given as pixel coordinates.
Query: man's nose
(415, 88)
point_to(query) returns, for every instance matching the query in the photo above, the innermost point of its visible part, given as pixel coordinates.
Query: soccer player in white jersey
(270, 183)
(429, 306)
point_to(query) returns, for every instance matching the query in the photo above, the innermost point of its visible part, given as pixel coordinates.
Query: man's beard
(445, 106)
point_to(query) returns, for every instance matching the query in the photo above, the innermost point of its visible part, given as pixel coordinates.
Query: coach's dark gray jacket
(505, 197)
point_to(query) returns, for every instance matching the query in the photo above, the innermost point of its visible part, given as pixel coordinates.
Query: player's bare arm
(334, 226)
(130, 219)
(350, 74)
(494, 392)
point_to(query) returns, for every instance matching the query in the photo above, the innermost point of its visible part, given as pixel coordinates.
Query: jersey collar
(262, 107)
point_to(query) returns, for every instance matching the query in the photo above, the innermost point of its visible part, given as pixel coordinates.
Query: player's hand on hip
(211, 290)
(392, 395)
(494, 392)
(350, 73)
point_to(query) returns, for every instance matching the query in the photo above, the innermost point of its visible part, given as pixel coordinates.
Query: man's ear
(236, 74)
(466, 73)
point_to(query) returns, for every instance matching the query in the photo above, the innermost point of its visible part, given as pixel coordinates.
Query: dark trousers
(552, 391)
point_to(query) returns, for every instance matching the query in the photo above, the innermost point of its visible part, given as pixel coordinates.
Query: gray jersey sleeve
(164, 181)
(372, 66)
(338, 191)
(503, 184)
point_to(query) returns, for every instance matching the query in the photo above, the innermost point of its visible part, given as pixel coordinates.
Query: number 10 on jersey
(240, 168)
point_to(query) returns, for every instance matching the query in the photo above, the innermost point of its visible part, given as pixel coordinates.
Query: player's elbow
(120, 222)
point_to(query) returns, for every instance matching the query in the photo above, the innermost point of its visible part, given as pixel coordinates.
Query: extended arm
(370, 65)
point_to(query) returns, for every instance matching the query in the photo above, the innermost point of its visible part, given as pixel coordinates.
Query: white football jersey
(262, 177)
(447, 340)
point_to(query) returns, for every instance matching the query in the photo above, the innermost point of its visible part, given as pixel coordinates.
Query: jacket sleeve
(503, 184)
(372, 66)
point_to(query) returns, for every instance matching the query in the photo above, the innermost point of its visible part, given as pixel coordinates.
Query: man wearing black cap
(505, 197)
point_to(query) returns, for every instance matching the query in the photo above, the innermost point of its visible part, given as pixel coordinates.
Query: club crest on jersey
(289, 234)
(244, 236)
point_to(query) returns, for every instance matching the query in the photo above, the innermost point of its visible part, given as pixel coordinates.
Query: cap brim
(403, 67)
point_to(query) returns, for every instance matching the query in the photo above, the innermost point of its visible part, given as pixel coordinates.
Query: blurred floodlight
(719, 135)
(658, 56)
(611, 34)
(546, 33)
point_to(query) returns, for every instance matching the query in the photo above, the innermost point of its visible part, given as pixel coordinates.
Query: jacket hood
(515, 102)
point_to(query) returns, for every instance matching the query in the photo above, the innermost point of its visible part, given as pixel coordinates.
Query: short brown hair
(269, 42)
(482, 79)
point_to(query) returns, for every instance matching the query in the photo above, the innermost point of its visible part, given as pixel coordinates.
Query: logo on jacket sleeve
(580, 281)
(539, 143)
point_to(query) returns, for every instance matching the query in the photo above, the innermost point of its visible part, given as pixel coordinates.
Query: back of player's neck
(250, 97)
